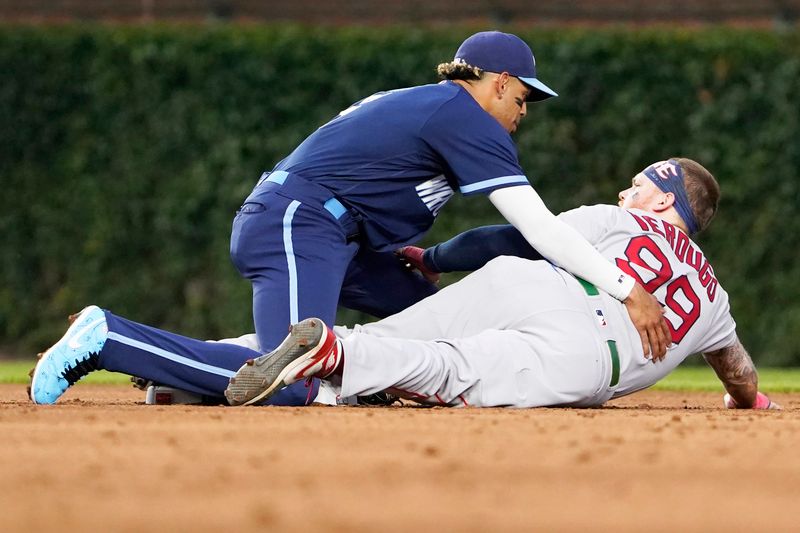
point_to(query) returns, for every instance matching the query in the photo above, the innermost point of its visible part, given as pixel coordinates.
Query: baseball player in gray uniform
(524, 333)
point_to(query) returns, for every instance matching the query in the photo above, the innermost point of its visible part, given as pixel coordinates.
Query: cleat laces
(82, 368)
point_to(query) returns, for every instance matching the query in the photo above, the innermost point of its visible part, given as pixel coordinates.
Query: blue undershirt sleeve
(474, 248)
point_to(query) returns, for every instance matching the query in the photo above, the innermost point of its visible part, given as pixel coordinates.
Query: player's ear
(501, 83)
(666, 201)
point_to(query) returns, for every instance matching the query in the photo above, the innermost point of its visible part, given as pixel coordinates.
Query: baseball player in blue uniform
(320, 228)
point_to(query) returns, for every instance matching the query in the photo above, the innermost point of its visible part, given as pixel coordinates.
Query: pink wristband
(762, 402)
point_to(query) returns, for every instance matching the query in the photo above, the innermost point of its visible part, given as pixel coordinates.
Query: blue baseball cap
(496, 51)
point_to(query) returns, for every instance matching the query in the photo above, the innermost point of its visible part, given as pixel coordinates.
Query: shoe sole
(75, 324)
(258, 379)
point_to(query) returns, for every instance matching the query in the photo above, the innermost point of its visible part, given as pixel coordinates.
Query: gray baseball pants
(515, 333)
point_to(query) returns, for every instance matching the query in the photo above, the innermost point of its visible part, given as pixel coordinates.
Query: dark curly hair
(458, 71)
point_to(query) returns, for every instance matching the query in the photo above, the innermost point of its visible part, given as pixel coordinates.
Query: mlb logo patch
(600, 317)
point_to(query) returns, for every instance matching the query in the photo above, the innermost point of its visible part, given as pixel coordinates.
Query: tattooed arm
(736, 371)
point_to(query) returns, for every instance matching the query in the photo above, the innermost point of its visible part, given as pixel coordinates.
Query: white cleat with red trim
(310, 350)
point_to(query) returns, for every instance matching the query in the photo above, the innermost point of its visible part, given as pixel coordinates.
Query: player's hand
(411, 257)
(762, 402)
(647, 316)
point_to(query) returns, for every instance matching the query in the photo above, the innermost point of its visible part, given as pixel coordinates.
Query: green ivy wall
(124, 152)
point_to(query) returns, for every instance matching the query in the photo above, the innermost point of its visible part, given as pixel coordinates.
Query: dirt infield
(100, 460)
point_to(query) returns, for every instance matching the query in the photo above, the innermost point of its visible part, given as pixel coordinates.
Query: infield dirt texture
(100, 460)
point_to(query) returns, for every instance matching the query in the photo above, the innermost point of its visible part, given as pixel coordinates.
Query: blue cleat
(71, 358)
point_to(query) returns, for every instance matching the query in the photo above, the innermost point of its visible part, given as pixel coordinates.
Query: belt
(332, 205)
(309, 193)
(594, 296)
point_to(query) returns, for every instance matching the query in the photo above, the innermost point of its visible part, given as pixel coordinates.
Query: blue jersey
(396, 157)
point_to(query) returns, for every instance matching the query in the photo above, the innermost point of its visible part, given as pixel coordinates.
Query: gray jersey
(671, 267)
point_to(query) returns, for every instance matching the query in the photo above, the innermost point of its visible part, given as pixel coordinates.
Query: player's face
(510, 104)
(642, 194)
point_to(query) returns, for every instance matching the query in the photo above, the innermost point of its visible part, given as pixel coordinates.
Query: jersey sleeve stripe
(494, 182)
